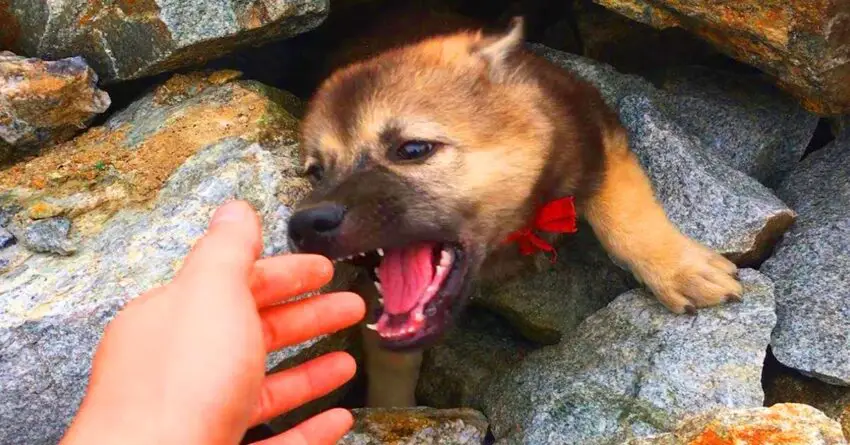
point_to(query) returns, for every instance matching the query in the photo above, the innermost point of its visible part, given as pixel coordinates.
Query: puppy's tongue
(405, 274)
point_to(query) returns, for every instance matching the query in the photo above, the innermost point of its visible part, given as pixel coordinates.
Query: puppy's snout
(308, 224)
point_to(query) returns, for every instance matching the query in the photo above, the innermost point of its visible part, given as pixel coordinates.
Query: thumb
(228, 250)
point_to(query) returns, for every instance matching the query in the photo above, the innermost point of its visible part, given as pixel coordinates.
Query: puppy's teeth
(380, 252)
(432, 288)
(378, 286)
(419, 317)
(440, 270)
(372, 326)
(376, 272)
(381, 301)
(362, 254)
(445, 258)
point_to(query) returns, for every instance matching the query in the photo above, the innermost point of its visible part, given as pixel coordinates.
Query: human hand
(185, 363)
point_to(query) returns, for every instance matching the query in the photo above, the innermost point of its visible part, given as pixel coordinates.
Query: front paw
(687, 275)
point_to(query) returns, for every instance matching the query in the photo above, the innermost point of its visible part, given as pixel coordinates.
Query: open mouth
(420, 286)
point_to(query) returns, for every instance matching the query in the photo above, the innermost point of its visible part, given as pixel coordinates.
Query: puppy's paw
(690, 276)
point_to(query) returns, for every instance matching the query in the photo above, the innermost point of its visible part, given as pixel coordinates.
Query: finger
(227, 252)
(278, 278)
(301, 320)
(326, 428)
(289, 389)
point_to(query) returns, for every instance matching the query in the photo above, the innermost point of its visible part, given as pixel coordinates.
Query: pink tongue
(405, 274)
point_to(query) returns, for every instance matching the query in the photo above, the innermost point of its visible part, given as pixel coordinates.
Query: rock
(458, 370)
(788, 387)
(634, 369)
(49, 236)
(786, 424)
(801, 44)
(6, 238)
(631, 46)
(709, 201)
(748, 124)
(170, 160)
(810, 268)
(420, 425)
(43, 102)
(131, 39)
(547, 305)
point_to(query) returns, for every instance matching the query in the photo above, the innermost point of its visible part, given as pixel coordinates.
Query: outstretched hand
(185, 363)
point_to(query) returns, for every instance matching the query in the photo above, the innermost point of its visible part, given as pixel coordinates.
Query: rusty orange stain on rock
(753, 435)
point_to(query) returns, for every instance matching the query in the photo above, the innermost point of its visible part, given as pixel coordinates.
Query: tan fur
(632, 226)
(512, 132)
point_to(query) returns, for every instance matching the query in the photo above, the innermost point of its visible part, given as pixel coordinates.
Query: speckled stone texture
(458, 370)
(801, 43)
(811, 268)
(546, 306)
(709, 201)
(53, 308)
(785, 424)
(416, 426)
(634, 369)
(752, 126)
(130, 39)
(44, 102)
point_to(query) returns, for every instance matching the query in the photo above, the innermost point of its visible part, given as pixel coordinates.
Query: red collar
(558, 216)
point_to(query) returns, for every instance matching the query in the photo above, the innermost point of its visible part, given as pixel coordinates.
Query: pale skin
(185, 363)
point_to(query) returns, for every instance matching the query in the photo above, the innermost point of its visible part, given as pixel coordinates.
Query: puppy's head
(424, 158)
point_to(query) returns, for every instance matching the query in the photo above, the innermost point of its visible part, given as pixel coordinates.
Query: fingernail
(690, 310)
(232, 211)
(733, 297)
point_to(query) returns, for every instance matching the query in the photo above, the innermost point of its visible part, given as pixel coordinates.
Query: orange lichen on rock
(749, 436)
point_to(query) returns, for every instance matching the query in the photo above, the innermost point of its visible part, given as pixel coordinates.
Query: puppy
(434, 159)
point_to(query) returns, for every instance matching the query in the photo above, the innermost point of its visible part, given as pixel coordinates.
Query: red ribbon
(558, 216)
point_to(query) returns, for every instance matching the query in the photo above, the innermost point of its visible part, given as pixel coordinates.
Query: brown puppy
(425, 158)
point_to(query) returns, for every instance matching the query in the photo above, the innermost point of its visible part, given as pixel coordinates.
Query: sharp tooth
(432, 288)
(418, 317)
(440, 270)
(445, 258)
(376, 272)
(381, 300)
(372, 326)
(378, 286)
(380, 252)
(362, 254)
(349, 257)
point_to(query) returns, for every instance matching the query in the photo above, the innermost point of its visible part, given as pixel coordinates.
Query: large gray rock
(786, 424)
(546, 306)
(171, 160)
(43, 102)
(634, 369)
(416, 426)
(708, 200)
(130, 39)
(811, 268)
(750, 125)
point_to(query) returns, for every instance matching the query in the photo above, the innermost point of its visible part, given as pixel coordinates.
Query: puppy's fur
(512, 132)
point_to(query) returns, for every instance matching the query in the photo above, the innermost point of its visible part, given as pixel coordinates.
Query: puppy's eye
(315, 172)
(415, 150)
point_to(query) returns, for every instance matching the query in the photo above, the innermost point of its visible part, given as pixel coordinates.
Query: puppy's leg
(391, 376)
(631, 224)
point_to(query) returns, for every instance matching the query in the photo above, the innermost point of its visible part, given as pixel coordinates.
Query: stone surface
(789, 387)
(414, 426)
(6, 238)
(810, 268)
(634, 369)
(802, 44)
(709, 201)
(546, 306)
(750, 125)
(458, 370)
(43, 102)
(48, 236)
(131, 39)
(786, 424)
(168, 161)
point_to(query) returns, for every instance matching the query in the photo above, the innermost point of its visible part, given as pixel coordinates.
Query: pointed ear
(496, 49)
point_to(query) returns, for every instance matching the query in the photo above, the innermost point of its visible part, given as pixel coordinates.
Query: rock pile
(579, 353)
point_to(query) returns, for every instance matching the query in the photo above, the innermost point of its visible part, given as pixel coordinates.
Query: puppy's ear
(496, 49)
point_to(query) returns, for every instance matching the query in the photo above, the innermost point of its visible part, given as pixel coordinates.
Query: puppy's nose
(320, 220)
